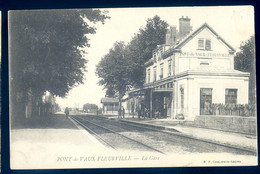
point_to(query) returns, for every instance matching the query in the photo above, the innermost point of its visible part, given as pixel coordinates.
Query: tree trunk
(35, 112)
(120, 106)
(17, 109)
(29, 103)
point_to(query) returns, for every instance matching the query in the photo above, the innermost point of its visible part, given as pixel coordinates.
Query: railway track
(108, 136)
(173, 138)
(214, 145)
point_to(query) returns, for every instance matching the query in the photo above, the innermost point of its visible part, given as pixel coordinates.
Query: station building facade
(192, 70)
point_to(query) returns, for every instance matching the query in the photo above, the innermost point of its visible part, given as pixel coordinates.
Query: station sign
(205, 54)
(138, 93)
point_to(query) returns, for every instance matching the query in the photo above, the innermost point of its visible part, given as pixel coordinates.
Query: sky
(234, 24)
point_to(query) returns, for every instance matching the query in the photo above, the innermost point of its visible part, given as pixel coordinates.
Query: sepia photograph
(132, 87)
(0, 86)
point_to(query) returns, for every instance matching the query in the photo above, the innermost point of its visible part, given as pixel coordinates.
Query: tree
(123, 67)
(91, 107)
(142, 45)
(46, 52)
(245, 61)
(113, 71)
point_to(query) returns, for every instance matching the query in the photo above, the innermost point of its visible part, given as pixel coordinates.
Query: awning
(138, 92)
(163, 90)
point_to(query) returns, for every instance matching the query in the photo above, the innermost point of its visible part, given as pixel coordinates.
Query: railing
(229, 109)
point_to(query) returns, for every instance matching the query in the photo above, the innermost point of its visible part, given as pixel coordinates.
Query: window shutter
(201, 44)
(208, 45)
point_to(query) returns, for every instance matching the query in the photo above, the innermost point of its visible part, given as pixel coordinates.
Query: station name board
(138, 93)
(204, 54)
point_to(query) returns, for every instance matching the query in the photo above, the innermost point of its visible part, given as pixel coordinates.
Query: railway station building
(191, 71)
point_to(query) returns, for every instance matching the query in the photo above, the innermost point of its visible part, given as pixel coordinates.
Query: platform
(51, 147)
(217, 136)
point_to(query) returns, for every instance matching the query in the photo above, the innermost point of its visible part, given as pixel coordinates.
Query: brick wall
(184, 27)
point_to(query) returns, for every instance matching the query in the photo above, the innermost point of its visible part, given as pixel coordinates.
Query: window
(204, 44)
(154, 57)
(169, 67)
(231, 96)
(171, 85)
(160, 54)
(208, 45)
(148, 76)
(201, 44)
(154, 73)
(161, 73)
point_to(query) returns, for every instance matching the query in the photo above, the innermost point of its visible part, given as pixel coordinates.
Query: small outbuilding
(110, 106)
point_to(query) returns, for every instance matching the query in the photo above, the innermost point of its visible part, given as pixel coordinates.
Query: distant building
(190, 72)
(110, 106)
(90, 108)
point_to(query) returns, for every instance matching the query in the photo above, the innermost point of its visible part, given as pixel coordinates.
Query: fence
(230, 109)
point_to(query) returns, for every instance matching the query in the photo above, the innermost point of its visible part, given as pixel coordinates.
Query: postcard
(132, 87)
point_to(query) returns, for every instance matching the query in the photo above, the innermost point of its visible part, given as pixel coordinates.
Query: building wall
(192, 85)
(110, 108)
(191, 57)
(246, 125)
(165, 63)
(216, 44)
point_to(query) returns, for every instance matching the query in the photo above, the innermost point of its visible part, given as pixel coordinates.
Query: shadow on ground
(55, 121)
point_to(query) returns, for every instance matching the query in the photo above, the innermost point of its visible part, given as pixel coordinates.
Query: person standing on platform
(123, 112)
(139, 113)
(67, 112)
(133, 110)
(119, 112)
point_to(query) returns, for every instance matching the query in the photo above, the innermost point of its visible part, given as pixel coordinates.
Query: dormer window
(154, 73)
(204, 44)
(148, 76)
(154, 57)
(169, 67)
(160, 54)
(161, 73)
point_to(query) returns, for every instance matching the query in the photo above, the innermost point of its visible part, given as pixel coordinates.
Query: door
(205, 101)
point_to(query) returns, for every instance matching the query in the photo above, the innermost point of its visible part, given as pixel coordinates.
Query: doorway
(205, 101)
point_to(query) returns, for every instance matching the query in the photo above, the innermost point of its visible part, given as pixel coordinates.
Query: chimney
(184, 27)
(171, 36)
